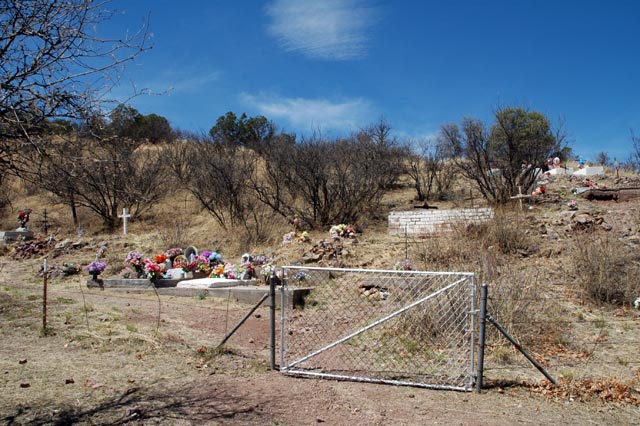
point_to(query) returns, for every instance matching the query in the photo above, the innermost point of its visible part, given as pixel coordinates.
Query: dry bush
(606, 269)
(518, 301)
(466, 246)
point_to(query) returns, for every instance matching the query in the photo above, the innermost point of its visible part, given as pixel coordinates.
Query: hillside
(561, 280)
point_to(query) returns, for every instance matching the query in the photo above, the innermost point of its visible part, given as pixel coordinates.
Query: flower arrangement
(342, 231)
(300, 276)
(23, 217)
(135, 259)
(154, 270)
(173, 252)
(200, 264)
(267, 270)
(180, 261)
(303, 237)
(288, 238)
(160, 258)
(572, 205)
(96, 267)
(217, 272)
(403, 266)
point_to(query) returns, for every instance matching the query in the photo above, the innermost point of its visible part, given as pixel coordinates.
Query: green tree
(506, 157)
(125, 121)
(155, 128)
(243, 130)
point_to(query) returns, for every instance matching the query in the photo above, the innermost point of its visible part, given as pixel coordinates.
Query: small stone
(25, 385)
(69, 381)
(22, 361)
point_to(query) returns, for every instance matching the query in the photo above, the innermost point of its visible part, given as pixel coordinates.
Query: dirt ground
(106, 360)
(120, 357)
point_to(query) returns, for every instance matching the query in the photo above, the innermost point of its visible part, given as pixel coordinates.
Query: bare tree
(634, 157)
(105, 175)
(323, 182)
(53, 65)
(602, 158)
(217, 174)
(429, 170)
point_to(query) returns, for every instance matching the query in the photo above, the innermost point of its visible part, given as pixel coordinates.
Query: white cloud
(194, 82)
(323, 29)
(312, 114)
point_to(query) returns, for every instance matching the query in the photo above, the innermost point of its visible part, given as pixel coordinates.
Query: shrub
(606, 270)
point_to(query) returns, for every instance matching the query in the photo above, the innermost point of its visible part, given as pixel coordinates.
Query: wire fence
(399, 327)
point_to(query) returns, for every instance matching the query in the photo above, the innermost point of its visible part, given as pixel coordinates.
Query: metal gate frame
(292, 367)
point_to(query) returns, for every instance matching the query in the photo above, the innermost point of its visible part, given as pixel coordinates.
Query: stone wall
(425, 222)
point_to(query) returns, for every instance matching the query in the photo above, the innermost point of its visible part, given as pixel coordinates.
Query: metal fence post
(481, 336)
(272, 322)
(44, 297)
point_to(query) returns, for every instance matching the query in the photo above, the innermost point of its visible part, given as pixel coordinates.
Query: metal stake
(272, 322)
(481, 336)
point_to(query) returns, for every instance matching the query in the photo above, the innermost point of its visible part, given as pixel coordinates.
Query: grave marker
(124, 217)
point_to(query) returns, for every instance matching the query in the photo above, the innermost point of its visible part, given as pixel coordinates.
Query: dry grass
(607, 269)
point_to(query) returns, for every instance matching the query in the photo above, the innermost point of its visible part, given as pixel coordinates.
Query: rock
(606, 226)
(62, 244)
(583, 219)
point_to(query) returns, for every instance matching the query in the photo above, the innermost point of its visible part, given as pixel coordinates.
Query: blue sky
(340, 65)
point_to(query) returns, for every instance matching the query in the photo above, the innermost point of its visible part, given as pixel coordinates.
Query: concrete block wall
(425, 222)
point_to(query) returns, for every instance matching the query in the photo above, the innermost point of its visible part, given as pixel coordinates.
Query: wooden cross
(520, 196)
(124, 217)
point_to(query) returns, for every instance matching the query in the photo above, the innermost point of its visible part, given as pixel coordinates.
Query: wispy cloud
(312, 114)
(194, 82)
(322, 29)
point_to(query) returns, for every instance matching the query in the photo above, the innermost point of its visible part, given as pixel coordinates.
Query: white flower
(636, 303)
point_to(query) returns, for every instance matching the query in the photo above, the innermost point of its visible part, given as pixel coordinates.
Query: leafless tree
(322, 182)
(105, 175)
(429, 169)
(53, 65)
(218, 176)
(634, 157)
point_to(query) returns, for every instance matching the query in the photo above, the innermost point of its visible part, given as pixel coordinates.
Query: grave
(425, 222)
(247, 291)
(22, 233)
(8, 237)
(589, 171)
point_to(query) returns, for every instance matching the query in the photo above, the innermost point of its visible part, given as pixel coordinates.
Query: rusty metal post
(481, 336)
(44, 298)
(272, 322)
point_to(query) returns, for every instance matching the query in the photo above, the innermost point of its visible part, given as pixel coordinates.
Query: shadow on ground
(137, 406)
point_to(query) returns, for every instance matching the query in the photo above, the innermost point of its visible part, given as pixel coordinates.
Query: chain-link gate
(398, 327)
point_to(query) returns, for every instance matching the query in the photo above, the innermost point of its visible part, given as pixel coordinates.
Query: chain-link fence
(399, 327)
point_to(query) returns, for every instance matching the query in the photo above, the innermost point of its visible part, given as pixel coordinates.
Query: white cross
(520, 196)
(124, 217)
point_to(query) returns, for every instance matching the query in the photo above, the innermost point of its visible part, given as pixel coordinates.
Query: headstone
(190, 253)
(8, 237)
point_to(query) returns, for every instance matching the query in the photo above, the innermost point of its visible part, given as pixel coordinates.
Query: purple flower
(96, 267)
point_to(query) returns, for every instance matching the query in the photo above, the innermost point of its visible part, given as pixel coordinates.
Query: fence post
(44, 298)
(481, 336)
(272, 322)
